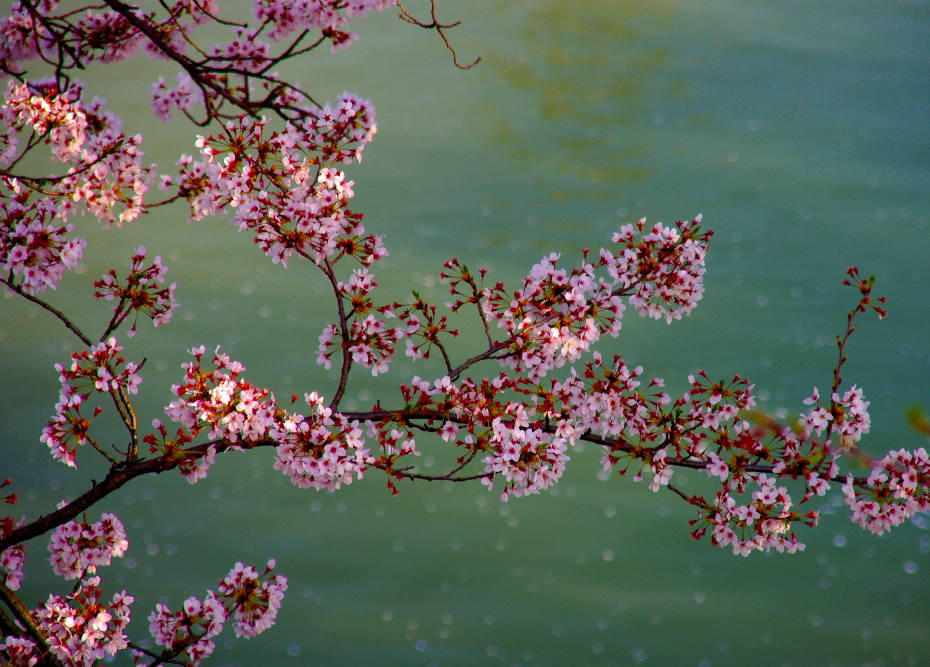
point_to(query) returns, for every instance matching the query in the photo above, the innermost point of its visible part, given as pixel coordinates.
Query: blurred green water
(799, 131)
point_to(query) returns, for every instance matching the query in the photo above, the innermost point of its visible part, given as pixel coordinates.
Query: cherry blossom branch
(681, 494)
(117, 476)
(50, 308)
(60, 42)
(448, 477)
(864, 285)
(167, 657)
(105, 454)
(493, 348)
(344, 334)
(24, 616)
(405, 416)
(191, 67)
(440, 28)
(757, 468)
(74, 171)
(198, 71)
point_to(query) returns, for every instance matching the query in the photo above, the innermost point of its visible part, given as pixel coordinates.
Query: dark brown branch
(615, 445)
(441, 28)
(344, 335)
(167, 657)
(117, 476)
(126, 11)
(50, 308)
(73, 172)
(24, 616)
(681, 494)
(448, 477)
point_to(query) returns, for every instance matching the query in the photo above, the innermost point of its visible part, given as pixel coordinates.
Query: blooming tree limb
(271, 159)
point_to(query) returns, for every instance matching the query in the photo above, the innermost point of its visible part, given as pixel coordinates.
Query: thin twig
(405, 15)
(50, 308)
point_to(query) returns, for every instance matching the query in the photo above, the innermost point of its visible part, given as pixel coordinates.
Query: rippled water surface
(798, 129)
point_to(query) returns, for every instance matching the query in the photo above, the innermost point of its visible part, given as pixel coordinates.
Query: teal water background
(798, 129)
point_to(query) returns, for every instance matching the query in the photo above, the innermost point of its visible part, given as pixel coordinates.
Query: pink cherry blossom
(80, 628)
(255, 598)
(76, 547)
(322, 449)
(190, 630)
(141, 291)
(98, 370)
(895, 490)
(12, 561)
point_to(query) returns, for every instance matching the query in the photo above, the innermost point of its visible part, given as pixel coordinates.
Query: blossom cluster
(183, 97)
(13, 558)
(35, 246)
(558, 314)
(424, 327)
(218, 399)
(251, 598)
(215, 400)
(106, 175)
(100, 369)
(142, 291)
(764, 523)
(477, 416)
(76, 547)
(11, 566)
(322, 450)
(897, 488)
(19, 652)
(255, 597)
(528, 460)
(663, 267)
(326, 15)
(278, 188)
(338, 133)
(81, 628)
(191, 629)
(370, 341)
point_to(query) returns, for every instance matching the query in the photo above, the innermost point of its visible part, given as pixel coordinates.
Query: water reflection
(586, 73)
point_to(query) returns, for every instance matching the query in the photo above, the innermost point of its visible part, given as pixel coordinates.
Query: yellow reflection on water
(587, 75)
